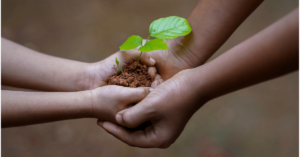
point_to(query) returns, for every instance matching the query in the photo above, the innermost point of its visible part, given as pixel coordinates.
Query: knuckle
(165, 144)
(145, 91)
(158, 143)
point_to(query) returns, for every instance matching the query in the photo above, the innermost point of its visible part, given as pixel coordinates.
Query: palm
(97, 74)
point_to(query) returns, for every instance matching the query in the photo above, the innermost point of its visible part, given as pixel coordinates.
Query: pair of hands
(168, 106)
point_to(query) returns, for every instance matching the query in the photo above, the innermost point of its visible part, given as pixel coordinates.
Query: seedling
(117, 62)
(164, 28)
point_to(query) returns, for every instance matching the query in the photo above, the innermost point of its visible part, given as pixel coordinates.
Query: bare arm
(25, 108)
(213, 22)
(26, 68)
(269, 54)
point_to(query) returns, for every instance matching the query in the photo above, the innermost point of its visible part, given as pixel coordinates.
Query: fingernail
(150, 89)
(119, 119)
(152, 60)
(100, 123)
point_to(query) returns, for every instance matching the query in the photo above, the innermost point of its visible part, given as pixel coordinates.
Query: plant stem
(141, 53)
(120, 68)
(147, 39)
(138, 60)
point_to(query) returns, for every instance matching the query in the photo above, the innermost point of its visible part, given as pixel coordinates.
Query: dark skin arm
(213, 22)
(271, 53)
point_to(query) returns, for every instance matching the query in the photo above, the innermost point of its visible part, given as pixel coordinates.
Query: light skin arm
(25, 108)
(26, 68)
(271, 53)
(212, 22)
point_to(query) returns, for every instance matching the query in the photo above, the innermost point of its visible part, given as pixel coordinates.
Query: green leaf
(117, 61)
(118, 65)
(170, 27)
(132, 42)
(155, 44)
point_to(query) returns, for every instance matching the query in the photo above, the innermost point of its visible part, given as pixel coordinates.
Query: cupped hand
(179, 57)
(168, 107)
(107, 101)
(97, 74)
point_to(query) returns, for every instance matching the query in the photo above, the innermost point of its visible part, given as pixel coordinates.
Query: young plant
(117, 62)
(164, 28)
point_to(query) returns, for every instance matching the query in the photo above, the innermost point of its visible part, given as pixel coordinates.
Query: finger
(140, 138)
(157, 77)
(147, 60)
(134, 95)
(156, 83)
(100, 123)
(136, 115)
(152, 72)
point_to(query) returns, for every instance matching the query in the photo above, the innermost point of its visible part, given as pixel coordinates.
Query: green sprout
(118, 65)
(164, 28)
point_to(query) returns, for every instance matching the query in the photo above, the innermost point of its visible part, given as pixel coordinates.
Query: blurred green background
(260, 121)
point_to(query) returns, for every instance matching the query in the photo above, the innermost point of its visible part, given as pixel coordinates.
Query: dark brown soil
(132, 77)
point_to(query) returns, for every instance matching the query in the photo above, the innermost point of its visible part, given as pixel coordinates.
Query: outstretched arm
(26, 68)
(25, 108)
(213, 22)
(269, 54)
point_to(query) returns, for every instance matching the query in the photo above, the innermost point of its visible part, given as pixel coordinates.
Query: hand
(177, 58)
(168, 107)
(107, 101)
(97, 74)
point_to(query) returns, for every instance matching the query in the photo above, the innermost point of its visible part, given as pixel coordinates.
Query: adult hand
(177, 58)
(171, 104)
(168, 107)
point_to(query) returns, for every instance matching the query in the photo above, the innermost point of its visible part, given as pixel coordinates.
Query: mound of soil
(132, 77)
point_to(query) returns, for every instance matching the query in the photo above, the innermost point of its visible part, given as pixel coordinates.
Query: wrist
(184, 47)
(86, 103)
(191, 90)
(83, 77)
(204, 86)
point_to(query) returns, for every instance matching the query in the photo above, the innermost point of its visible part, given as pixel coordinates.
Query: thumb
(134, 116)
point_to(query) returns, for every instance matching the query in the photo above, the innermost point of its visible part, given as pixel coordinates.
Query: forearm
(269, 54)
(26, 68)
(24, 108)
(212, 22)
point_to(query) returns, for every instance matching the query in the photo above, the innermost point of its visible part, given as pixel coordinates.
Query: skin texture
(23, 67)
(212, 22)
(271, 53)
(26, 68)
(41, 107)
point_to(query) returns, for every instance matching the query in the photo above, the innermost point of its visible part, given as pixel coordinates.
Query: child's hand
(107, 101)
(97, 74)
